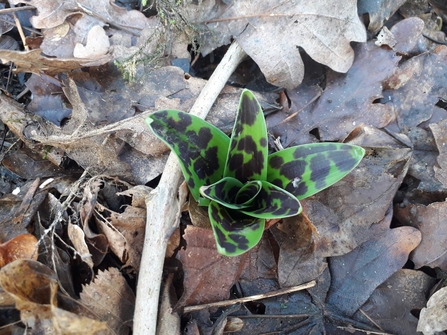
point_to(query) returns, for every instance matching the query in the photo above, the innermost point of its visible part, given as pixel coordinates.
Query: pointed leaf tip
(235, 233)
(200, 147)
(247, 157)
(308, 169)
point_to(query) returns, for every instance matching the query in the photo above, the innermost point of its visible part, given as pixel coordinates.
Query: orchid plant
(242, 185)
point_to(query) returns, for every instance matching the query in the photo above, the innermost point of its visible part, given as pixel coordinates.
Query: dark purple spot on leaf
(300, 189)
(320, 167)
(185, 120)
(294, 169)
(241, 240)
(191, 183)
(232, 192)
(247, 144)
(302, 151)
(248, 110)
(342, 159)
(235, 162)
(222, 241)
(263, 142)
(276, 161)
(205, 136)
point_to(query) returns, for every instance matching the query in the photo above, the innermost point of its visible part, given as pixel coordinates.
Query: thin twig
(15, 9)
(188, 309)
(20, 30)
(163, 207)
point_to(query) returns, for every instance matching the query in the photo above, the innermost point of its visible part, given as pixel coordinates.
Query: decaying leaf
(77, 237)
(54, 13)
(347, 101)
(111, 298)
(259, 28)
(439, 131)
(391, 304)
(298, 261)
(416, 101)
(430, 221)
(433, 317)
(208, 275)
(20, 247)
(34, 288)
(357, 274)
(379, 11)
(407, 34)
(33, 61)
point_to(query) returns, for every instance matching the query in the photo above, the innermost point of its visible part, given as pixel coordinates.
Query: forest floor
(99, 234)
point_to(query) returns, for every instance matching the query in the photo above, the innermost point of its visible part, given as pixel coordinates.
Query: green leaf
(272, 202)
(247, 157)
(307, 169)
(200, 147)
(224, 192)
(235, 232)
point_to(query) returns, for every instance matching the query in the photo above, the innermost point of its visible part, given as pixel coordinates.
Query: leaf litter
(371, 242)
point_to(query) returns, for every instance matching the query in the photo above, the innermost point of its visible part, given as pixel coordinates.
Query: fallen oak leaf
(111, 299)
(357, 274)
(97, 44)
(324, 29)
(433, 317)
(54, 13)
(208, 275)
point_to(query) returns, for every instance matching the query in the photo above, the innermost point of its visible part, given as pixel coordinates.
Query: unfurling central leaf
(247, 157)
(236, 178)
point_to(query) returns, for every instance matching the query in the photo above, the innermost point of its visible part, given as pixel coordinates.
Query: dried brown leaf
(415, 102)
(407, 34)
(111, 299)
(77, 238)
(433, 318)
(33, 61)
(439, 131)
(20, 247)
(430, 220)
(357, 274)
(54, 13)
(298, 260)
(29, 282)
(391, 304)
(97, 44)
(379, 11)
(347, 101)
(260, 28)
(208, 275)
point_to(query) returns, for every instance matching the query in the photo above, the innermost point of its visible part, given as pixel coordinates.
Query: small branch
(163, 207)
(189, 309)
(15, 9)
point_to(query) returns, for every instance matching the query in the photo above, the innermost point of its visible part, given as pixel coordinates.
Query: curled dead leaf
(433, 318)
(20, 247)
(97, 44)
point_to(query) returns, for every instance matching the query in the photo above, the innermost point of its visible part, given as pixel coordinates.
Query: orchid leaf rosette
(238, 180)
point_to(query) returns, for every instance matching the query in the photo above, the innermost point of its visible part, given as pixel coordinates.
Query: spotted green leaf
(307, 169)
(272, 202)
(247, 157)
(231, 193)
(201, 148)
(241, 185)
(235, 232)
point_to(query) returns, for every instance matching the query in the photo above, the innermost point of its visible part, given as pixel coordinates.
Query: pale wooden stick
(163, 207)
(310, 284)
